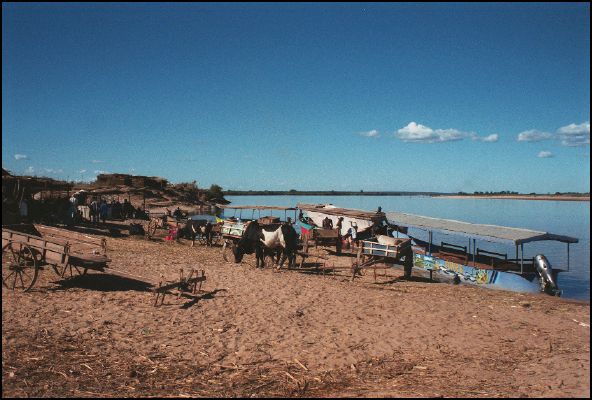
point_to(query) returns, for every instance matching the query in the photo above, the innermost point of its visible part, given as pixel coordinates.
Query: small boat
(364, 220)
(480, 266)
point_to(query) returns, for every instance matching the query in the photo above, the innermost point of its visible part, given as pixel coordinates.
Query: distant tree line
(294, 192)
(494, 193)
(508, 192)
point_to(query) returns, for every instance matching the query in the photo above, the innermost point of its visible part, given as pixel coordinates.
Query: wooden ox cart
(27, 249)
(232, 230)
(373, 255)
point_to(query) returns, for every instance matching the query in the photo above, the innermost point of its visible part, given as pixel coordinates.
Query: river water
(571, 218)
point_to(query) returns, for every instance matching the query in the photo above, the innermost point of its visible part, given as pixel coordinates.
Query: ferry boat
(477, 265)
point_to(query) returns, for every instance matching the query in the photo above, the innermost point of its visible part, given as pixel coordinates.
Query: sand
(519, 197)
(264, 333)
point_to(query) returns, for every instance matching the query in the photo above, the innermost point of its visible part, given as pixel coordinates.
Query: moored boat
(367, 222)
(472, 264)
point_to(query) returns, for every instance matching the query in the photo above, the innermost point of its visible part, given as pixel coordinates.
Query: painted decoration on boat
(465, 272)
(230, 228)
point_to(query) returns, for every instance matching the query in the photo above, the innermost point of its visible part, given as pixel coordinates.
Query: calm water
(570, 218)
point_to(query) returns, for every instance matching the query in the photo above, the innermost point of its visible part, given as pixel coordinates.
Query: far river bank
(518, 197)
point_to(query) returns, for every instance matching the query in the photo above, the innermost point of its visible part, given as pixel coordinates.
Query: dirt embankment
(265, 333)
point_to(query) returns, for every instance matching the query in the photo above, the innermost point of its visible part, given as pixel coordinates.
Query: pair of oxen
(274, 241)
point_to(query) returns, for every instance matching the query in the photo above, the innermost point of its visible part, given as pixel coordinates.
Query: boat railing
(454, 251)
(517, 264)
(453, 247)
(491, 257)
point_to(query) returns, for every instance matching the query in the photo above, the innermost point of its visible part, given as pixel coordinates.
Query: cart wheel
(151, 230)
(202, 240)
(268, 261)
(216, 239)
(227, 251)
(19, 267)
(357, 269)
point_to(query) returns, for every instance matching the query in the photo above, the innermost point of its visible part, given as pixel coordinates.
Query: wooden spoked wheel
(151, 230)
(216, 237)
(227, 251)
(202, 239)
(269, 261)
(19, 267)
(356, 268)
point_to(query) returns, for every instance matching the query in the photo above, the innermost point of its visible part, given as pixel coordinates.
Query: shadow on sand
(104, 283)
(196, 298)
(410, 279)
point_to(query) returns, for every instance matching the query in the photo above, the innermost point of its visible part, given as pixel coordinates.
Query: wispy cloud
(30, 170)
(494, 137)
(575, 135)
(534, 135)
(96, 161)
(570, 135)
(53, 171)
(21, 157)
(417, 133)
(372, 134)
(545, 154)
(98, 172)
(82, 171)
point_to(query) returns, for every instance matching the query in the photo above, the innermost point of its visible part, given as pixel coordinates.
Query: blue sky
(412, 97)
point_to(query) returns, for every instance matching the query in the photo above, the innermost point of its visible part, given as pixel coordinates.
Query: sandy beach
(265, 333)
(518, 197)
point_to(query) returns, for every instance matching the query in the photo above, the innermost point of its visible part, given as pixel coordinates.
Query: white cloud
(98, 172)
(545, 154)
(494, 137)
(575, 135)
(21, 157)
(534, 136)
(30, 170)
(96, 161)
(372, 133)
(53, 171)
(82, 171)
(418, 133)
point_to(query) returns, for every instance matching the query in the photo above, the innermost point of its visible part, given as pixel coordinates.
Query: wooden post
(521, 258)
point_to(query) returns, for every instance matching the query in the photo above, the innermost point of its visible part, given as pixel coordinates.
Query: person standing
(339, 243)
(208, 233)
(178, 214)
(353, 237)
(103, 210)
(73, 208)
(94, 211)
(339, 225)
(24, 210)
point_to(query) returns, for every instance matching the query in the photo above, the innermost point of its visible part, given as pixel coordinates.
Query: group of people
(352, 233)
(98, 210)
(101, 210)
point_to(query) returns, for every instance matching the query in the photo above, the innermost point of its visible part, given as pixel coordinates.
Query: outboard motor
(548, 284)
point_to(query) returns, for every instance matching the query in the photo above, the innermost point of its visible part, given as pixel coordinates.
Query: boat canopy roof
(346, 212)
(255, 207)
(486, 232)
